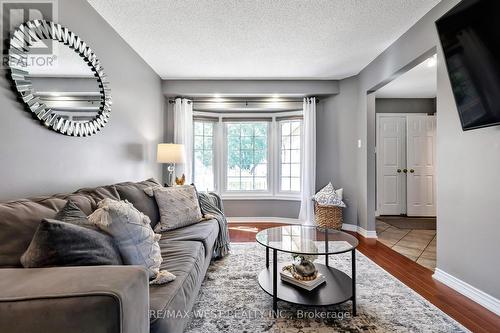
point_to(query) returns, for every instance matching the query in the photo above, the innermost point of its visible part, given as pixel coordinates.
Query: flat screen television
(470, 37)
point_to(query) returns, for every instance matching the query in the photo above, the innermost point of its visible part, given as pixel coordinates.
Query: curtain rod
(172, 101)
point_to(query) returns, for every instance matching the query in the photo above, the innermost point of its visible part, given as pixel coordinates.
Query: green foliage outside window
(247, 145)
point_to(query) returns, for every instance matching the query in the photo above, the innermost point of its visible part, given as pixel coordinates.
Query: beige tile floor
(418, 245)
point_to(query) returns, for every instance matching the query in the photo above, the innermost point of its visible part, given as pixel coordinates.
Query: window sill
(260, 197)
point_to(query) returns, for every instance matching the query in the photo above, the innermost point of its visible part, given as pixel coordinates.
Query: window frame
(213, 121)
(273, 155)
(280, 163)
(224, 190)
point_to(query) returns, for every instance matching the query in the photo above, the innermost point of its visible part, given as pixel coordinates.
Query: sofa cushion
(134, 193)
(18, 223)
(205, 232)
(185, 259)
(58, 243)
(99, 193)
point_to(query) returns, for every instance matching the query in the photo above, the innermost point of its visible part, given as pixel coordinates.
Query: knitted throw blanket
(211, 204)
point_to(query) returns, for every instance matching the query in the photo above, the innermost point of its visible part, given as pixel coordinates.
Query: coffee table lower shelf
(335, 290)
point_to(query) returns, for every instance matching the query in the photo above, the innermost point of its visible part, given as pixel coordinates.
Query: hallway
(418, 245)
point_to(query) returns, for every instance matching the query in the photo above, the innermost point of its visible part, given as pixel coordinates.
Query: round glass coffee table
(308, 240)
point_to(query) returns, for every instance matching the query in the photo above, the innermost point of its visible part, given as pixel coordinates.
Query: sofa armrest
(74, 299)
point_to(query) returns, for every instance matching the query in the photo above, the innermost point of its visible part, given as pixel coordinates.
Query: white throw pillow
(133, 235)
(340, 193)
(327, 196)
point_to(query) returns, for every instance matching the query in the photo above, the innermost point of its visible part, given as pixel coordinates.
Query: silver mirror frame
(20, 43)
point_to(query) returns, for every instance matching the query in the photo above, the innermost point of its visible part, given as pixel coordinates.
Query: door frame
(378, 160)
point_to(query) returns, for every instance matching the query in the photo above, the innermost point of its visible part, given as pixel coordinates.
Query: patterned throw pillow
(179, 207)
(327, 196)
(133, 235)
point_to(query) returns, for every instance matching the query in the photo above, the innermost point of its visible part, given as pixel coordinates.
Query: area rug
(417, 223)
(231, 300)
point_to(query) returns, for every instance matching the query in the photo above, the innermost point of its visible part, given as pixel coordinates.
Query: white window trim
(274, 158)
(279, 134)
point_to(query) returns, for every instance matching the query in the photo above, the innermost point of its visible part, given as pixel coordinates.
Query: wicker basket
(328, 217)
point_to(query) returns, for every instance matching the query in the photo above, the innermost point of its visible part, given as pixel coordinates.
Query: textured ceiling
(317, 39)
(418, 82)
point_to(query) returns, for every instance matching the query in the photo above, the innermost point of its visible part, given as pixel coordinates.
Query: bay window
(203, 159)
(248, 156)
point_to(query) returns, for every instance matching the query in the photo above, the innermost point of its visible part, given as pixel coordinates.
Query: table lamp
(170, 153)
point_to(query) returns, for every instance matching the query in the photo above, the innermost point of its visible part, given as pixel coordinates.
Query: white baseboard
(349, 227)
(264, 219)
(478, 296)
(363, 232)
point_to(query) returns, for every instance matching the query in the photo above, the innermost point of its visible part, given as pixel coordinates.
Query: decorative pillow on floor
(179, 207)
(58, 243)
(133, 235)
(328, 197)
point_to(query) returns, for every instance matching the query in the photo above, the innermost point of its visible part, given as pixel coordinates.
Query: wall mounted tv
(470, 37)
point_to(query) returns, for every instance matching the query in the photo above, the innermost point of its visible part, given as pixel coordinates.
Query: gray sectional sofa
(98, 298)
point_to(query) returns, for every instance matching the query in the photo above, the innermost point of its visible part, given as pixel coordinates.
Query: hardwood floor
(473, 316)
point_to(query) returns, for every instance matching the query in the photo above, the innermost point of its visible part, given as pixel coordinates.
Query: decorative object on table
(133, 235)
(170, 153)
(308, 285)
(328, 206)
(49, 100)
(179, 207)
(180, 180)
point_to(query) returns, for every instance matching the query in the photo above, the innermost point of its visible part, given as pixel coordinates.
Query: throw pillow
(72, 214)
(58, 243)
(179, 207)
(133, 235)
(340, 193)
(328, 197)
(135, 194)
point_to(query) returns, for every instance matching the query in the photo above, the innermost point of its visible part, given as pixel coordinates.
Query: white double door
(406, 163)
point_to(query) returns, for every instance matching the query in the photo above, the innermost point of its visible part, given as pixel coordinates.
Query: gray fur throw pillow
(58, 243)
(133, 235)
(179, 207)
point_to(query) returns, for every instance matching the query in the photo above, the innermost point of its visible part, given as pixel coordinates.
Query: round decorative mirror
(59, 78)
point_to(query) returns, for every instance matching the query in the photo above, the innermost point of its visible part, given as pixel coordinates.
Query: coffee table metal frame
(335, 278)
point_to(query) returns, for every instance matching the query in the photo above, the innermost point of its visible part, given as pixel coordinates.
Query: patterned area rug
(231, 300)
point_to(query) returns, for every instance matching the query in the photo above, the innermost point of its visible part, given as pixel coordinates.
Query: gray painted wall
(262, 208)
(467, 178)
(37, 161)
(336, 145)
(405, 105)
(468, 210)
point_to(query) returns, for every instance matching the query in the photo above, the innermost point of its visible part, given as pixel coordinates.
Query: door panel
(391, 150)
(421, 160)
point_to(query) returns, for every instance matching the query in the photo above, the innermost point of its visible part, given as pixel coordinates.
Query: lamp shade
(170, 153)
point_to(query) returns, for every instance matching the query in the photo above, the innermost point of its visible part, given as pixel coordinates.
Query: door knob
(412, 171)
(405, 170)
(399, 170)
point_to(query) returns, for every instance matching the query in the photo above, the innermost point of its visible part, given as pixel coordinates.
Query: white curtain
(183, 134)
(308, 178)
